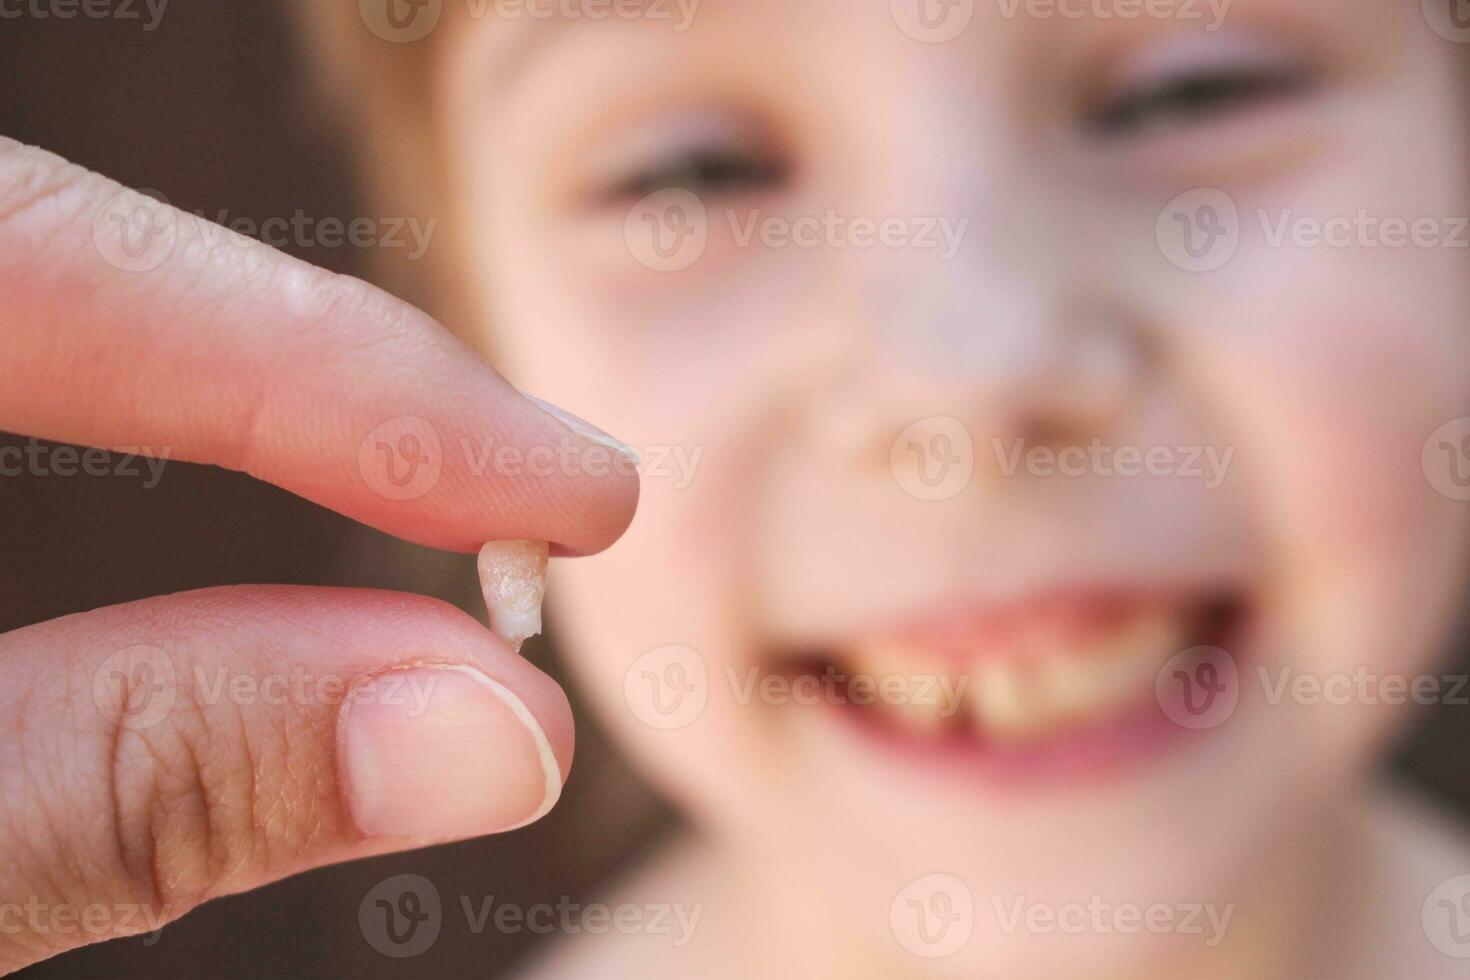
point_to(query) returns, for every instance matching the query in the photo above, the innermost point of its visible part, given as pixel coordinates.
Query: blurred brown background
(213, 109)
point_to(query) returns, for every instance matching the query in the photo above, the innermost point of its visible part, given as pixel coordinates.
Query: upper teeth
(1035, 690)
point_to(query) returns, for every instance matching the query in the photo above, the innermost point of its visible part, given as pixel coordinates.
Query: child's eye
(1192, 98)
(707, 172)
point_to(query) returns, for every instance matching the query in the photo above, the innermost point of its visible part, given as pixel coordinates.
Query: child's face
(1033, 288)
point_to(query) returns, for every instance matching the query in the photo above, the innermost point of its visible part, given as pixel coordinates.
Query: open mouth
(1062, 677)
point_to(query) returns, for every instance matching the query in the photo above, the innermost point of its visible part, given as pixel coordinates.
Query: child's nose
(1008, 359)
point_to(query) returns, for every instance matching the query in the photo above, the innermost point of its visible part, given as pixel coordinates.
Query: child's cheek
(1336, 385)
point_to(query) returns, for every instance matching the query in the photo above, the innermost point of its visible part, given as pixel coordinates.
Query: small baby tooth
(513, 578)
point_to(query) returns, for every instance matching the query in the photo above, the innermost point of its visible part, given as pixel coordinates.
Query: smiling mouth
(1031, 679)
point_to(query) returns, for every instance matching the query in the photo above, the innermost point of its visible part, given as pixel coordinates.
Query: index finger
(129, 323)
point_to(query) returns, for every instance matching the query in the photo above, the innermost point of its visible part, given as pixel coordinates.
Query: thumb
(166, 752)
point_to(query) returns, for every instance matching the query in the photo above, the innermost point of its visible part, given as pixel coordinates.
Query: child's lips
(1026, 673)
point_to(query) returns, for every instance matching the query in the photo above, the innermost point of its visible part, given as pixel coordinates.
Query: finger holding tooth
(513, 579)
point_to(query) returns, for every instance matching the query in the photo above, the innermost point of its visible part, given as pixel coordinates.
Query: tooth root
(513, 579)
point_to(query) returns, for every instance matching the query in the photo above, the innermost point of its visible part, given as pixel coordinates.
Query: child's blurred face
(979, 233)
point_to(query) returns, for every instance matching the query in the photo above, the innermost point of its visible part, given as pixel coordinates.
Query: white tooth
(1053, 685)
(1002, 701)
(513, 578)
(912, 692)
(1130, 673)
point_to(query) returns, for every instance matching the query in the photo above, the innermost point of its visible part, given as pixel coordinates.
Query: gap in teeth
(1039, 685)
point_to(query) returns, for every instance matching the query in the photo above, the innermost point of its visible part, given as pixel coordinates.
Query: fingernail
(443, 752)
(584, 428)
